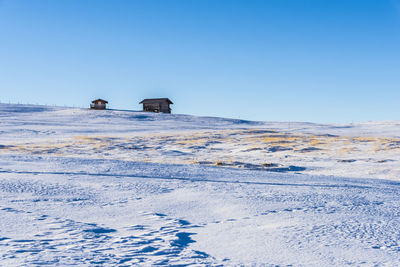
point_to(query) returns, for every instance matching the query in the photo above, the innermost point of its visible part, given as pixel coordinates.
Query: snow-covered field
(85, 187)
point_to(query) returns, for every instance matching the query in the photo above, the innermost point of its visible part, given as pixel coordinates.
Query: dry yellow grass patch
(385, 144)
(314, 141)
(191, 141)
(365, 139)
(344, 150)
(282, 138)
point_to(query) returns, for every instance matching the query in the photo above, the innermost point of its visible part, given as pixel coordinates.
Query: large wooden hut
(157, 105)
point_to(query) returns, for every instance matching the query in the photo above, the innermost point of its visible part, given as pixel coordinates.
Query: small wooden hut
(98, 104)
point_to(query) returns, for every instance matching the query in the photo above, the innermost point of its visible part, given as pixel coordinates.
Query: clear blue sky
(281, 60)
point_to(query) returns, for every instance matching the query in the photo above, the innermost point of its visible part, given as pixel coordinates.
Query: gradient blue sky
(286, 60)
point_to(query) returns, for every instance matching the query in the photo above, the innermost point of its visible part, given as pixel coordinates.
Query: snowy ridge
(42, 116)
(355, 150)
(130, 188)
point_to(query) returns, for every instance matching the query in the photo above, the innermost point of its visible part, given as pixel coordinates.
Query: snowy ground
(91, 187)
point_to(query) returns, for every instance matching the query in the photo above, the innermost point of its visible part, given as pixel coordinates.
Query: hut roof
(101, 100)
(155, 100)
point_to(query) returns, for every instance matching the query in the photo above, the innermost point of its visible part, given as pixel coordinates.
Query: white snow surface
(86, 187)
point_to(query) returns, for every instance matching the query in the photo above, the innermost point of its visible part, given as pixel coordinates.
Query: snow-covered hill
(356, 150)
(111, 187)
